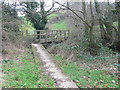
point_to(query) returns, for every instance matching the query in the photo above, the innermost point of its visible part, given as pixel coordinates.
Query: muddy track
(62, 81)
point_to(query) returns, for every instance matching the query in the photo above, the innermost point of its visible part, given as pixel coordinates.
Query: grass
(51, 16)
(58, 25)
(25, 73)
(61, 25)
(86, 78)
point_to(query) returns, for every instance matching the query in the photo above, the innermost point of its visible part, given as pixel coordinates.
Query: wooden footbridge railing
(51, 35)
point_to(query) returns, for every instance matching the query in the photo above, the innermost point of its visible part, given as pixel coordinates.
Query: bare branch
(79, 11)
(51, 6)
(74, 17)
(92, 16)
(74, 13)
(55, 11)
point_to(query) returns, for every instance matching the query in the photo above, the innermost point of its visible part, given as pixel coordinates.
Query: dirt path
(62, 81)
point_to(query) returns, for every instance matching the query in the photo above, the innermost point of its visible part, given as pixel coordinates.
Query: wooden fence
(51, 35)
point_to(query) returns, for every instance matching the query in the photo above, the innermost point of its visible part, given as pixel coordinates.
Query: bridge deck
(51, 35)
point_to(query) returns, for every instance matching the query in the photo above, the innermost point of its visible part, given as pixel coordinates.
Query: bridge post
(46, 36)
(60, 35)
(68, 33)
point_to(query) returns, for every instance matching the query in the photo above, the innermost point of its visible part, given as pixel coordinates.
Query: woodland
(89, 56)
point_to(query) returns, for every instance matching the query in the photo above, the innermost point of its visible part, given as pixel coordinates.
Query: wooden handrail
(51, 35)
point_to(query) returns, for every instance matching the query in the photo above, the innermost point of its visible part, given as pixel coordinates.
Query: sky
(49, 2)
(59, 0)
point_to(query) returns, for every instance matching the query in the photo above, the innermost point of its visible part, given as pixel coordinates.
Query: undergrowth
(105, 60)
(87, 78)
(24, 73)
(81, 49)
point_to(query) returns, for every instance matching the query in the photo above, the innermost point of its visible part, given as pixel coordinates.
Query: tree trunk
(85, 18)
(118, 31)
(102, 29)
(92, 45)
(107, 31)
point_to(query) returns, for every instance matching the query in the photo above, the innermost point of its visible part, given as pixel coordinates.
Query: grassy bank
(51, 16)
(61, 25)
(25, 73)
(86, 78)
(56, 24)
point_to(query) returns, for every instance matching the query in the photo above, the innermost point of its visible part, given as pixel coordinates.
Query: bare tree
(118, 30)
(88, 25)
(109, 33)
(85, 17)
